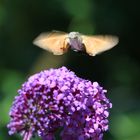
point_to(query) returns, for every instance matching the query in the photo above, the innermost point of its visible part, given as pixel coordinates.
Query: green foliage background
(117, 70)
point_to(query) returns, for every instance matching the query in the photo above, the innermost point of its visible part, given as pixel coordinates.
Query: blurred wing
(54, 42)
(98, 44)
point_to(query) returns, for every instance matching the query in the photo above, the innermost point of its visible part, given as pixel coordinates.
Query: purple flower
(57, 98)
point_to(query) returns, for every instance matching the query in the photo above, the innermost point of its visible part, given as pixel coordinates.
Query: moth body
(75, 41)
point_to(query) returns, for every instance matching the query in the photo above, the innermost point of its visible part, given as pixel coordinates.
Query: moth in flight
(59, 42)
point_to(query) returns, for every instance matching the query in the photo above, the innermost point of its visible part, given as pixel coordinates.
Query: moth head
(74, 35)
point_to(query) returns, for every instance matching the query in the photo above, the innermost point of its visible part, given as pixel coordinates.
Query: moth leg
(65, 46)
(83, 47)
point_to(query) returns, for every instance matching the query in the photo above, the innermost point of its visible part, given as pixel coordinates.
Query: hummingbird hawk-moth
(59, 42)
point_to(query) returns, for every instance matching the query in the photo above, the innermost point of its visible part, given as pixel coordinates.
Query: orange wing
(98, 44)
(55, 42)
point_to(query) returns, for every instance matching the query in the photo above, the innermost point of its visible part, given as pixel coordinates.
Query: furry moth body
(59, 42)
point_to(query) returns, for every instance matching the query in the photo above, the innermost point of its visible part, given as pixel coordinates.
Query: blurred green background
(116, 70)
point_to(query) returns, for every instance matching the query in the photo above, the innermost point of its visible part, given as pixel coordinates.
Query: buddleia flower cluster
(58, 99)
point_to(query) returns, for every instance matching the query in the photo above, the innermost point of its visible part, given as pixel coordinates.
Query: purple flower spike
(57, 98)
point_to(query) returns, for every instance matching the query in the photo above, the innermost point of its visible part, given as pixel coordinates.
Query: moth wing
(55, 42)
(98, 44)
